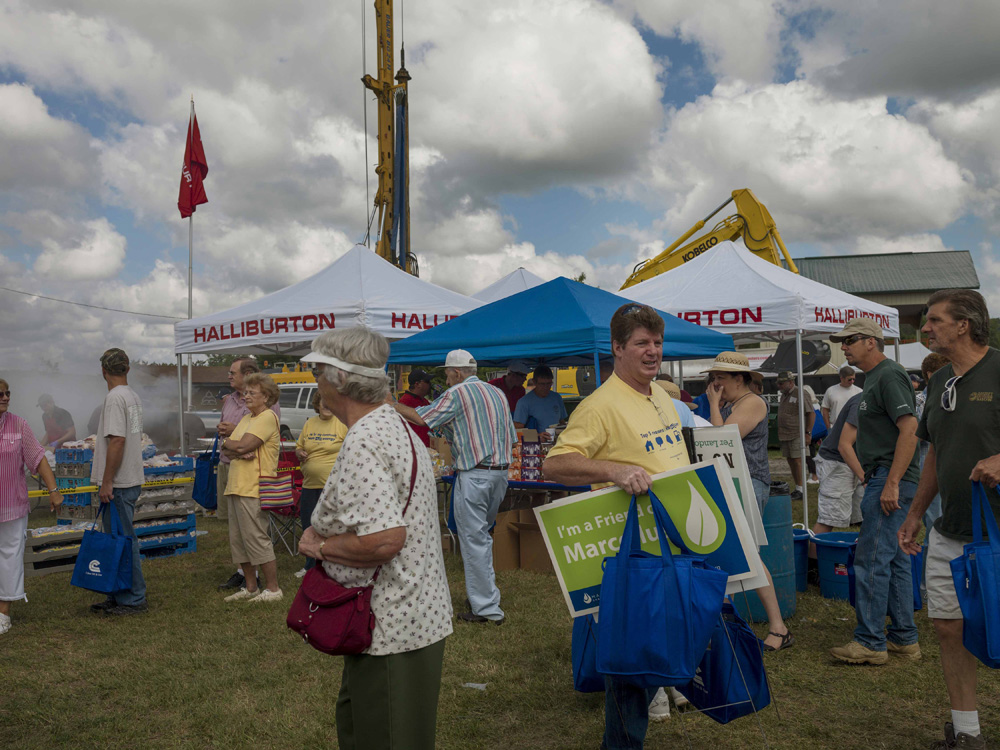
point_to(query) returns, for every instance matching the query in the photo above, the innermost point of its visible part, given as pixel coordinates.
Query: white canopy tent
(512, 283)
(360, 288)
(728, 289)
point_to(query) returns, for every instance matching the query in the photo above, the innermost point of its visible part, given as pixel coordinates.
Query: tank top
(754, 446)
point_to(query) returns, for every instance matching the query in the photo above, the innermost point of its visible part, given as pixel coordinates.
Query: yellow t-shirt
(245, 473)
(321, 439)
(617, 423)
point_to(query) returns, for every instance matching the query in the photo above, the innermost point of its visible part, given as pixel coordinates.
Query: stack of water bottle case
(164, 518)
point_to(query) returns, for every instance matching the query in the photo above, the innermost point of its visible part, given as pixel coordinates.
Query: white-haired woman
(388, 696)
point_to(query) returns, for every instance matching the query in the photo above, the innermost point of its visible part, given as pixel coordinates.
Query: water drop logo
(704, 526)
(95, 567)
(587, 599)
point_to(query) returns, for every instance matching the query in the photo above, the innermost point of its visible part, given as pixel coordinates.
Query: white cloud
(98, 254)
(918, 243)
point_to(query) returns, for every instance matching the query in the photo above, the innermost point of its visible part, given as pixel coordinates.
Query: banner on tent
(580, 531)
(245, 329)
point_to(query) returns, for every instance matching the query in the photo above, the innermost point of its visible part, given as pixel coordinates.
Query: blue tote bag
(977, 582)
(730, 681)
(657, 612)
(104, 562)
(586, 678)
(204, 490)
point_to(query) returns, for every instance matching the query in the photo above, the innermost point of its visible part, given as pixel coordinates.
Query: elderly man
(621, 434)
(886, 449)
(512, 383)
(233, 410)
(788, 428)
(475, 419)
(117, 470)
(960, 423)
(542, 408)
(837, 395)
(58, 423)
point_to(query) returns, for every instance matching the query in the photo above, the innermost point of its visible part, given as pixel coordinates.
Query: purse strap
(413, 482)
(256, 453)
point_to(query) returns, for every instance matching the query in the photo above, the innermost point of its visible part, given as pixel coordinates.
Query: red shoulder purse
(333, 618)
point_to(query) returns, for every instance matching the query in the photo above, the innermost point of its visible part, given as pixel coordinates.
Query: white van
(294, 400)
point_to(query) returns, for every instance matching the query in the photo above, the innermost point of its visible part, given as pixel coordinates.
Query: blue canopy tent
(561, 322)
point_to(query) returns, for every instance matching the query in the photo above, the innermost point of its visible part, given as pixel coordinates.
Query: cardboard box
(444, 450)
(532, 553)
(506, 542)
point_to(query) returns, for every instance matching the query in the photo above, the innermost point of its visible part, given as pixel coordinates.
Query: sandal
(787, 641)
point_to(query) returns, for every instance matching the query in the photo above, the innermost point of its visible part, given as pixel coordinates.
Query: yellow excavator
(752, 222)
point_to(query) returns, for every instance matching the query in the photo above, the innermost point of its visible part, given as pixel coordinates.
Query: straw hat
(674, 391)
(730, 362)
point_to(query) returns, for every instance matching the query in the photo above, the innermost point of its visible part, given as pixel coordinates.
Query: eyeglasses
(948, 396)
(5, 394)
(854, 339)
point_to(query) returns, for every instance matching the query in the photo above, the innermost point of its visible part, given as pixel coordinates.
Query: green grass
(196, 672)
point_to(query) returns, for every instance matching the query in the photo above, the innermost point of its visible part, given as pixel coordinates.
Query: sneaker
(301, 573)
(679, 700)
(103, 606)
(963, 740)
(4, 623)
(855, 653)
(796, 495)
(659, 708)
(123, 610)
(810, 480)
(236, 581)
(478, 619)
(266, 595)
(242, 594)
(910, 652)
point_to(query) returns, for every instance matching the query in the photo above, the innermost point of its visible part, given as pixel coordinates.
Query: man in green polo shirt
(886, 448)
(960, 423)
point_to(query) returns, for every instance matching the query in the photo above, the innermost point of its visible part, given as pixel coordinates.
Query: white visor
(368, 372)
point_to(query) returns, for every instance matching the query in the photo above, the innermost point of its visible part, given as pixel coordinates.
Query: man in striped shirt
(475, 418)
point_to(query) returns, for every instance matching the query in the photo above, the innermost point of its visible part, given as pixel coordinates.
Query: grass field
(196, 672)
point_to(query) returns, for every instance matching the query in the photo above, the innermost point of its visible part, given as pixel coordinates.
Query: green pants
(390, 702)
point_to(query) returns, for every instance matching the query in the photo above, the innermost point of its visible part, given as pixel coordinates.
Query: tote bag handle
(981, 508)
(116, 522)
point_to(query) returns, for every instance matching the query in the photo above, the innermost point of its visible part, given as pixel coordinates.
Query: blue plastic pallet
(185, 525)
(171, 547)
(184, 464)
(81, 500)
(74, 455)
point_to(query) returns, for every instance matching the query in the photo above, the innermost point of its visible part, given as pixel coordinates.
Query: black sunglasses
(4, 394)
(854, 339)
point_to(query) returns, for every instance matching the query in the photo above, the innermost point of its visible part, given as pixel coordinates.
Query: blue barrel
(778, 557)
(833, 552)
(801, 540)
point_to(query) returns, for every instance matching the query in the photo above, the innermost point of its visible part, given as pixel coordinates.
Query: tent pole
(180, 404)
(597, 369)
(680, 374)
(802, 429)
(896, 345)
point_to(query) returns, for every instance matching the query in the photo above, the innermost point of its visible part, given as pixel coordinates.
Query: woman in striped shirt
(19, 450)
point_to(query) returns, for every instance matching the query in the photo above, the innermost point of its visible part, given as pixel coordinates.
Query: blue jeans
(123, 499)
(476, 498)
(882, 571)
(762, 491)
(626, 714)
(307, 504)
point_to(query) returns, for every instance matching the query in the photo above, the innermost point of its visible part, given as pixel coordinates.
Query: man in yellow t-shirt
(622, 434)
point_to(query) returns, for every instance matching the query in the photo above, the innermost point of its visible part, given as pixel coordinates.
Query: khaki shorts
(942, 601)
(791, 448)
(248, 537)
(839, 492)
(221, 480)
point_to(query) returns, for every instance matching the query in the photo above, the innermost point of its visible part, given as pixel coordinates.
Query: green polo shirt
(887, 396)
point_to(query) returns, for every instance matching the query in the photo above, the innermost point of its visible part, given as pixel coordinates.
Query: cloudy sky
(569, 136)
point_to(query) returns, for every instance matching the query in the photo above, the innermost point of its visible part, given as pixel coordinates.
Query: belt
(491, 467)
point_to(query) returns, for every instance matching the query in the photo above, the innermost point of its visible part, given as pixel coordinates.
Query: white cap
(459, 358)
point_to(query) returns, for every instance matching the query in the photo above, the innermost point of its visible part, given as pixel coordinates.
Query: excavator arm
(752, 222)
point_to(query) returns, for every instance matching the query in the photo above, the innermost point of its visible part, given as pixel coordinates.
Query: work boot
(236, 581)
(910, 651)
(855, 653)
(962, 740)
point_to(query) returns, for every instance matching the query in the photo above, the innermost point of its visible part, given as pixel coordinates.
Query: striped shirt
(475, 418)
(19, 449)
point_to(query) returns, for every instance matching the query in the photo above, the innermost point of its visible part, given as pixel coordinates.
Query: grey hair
(359, 346)
(466, 372)
(966, 304)
(846, 371)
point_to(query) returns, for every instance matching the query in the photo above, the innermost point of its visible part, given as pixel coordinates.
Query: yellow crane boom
(752, 221)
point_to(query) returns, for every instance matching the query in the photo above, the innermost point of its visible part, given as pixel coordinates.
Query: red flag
(194, 171)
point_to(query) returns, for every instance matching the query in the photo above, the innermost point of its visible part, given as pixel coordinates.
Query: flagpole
(190, 269)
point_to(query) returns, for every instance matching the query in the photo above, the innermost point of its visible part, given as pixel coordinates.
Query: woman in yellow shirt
(317, 449)
(253, 446)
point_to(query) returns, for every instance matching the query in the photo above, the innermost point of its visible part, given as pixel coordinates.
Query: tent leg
(680, 374)
(896, 346)
(802, 429)
(180, 404)
(597, 369)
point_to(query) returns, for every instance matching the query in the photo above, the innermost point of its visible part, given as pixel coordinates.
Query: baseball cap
(459, 358)
(785, 375)
(115, 361)
(519, 366)
(862, 326)
(418, 376)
